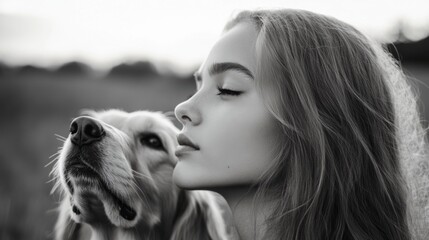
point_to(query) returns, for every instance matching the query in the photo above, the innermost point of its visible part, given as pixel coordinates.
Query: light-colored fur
(138, 175)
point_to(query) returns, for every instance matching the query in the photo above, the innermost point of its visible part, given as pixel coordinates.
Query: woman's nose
(187, 113)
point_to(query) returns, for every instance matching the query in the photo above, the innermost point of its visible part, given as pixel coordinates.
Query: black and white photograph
(214, 120)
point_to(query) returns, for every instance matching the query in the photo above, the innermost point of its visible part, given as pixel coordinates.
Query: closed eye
(225, 91)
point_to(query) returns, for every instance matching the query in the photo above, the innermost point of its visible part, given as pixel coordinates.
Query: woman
(302, 124)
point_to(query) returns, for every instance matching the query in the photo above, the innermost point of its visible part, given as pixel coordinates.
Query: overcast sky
(179, 33)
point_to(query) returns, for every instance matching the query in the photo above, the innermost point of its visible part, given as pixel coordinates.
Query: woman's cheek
(239, 148)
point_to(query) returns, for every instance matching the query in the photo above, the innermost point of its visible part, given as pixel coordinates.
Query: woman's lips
(182, 139)
(181, 149)
(185, 145)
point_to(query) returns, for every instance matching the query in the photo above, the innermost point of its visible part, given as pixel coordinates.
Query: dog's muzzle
(84, 132)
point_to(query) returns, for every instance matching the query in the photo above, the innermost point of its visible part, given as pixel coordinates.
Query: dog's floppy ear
(87, 112)
(202, 219)
(218, 217)
(191, 224)
(170, 115)
(66, 228)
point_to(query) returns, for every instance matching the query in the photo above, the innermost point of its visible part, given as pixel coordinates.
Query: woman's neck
(248, 215)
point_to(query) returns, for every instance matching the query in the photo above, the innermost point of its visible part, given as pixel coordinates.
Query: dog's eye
(152, 141)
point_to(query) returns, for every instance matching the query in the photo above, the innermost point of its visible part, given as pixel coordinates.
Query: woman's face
(225, 118)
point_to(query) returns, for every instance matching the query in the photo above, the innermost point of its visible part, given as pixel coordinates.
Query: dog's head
(114, 166)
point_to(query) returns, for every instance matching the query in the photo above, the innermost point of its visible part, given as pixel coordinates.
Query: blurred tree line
(135, 71)
(406, 52)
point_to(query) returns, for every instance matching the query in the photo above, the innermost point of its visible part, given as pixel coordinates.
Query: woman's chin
(184, 178)
(190, 177)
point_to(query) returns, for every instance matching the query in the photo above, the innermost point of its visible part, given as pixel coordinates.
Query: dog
(115, 175)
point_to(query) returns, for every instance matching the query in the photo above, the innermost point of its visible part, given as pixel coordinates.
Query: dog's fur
(121, 171)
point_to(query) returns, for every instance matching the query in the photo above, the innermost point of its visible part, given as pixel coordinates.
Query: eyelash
(225, 91)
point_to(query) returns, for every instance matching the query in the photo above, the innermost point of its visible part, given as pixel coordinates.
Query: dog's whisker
(54, 168)
(55, 159)
(54, 171)
(134, 186)
(146, 201)
(55, 187)
(53, 179)
(142, 177)
(141, 174)
(54, 154)
(137, 172)
(59, 136)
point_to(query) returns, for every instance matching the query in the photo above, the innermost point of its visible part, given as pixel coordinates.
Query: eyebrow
(218, 68)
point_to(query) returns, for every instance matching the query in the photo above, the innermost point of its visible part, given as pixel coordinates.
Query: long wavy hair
(350, 135)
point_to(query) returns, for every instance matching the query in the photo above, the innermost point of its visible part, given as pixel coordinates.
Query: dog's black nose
(85, 130)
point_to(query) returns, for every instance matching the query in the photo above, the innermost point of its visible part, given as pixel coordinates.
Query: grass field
(33, 110)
